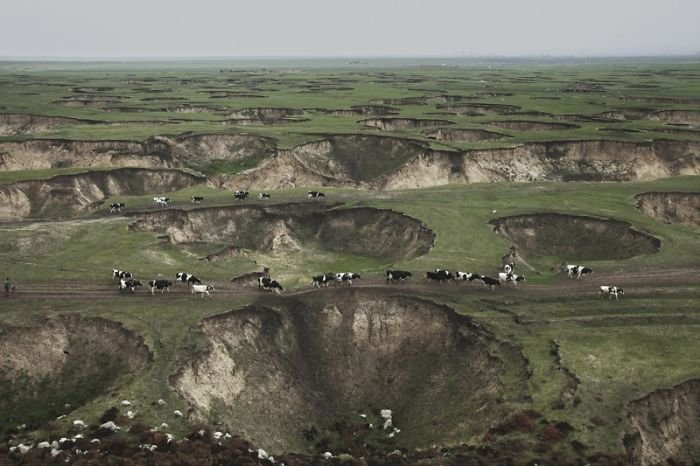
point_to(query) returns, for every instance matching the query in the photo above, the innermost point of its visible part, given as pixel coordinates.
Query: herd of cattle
(127, 282)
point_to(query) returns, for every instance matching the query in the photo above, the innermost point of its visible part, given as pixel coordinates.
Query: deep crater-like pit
(286, 365)
(671, 207)
(58, 361)
(285, 228)
(575, 237)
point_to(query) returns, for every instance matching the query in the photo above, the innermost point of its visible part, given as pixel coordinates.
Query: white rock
(95, 440)
(78, 436)
(178, 413)
(126, 403)
(161, 402)
(227, 436)
(54, 444)
(262, 454)
(388, 424)
(79, 423)
(62, 440)
(66, 406)
(217, 435)
(43, 445)
(13, 449)
(55, 452)
(164, 425)
(328, 455)
(363, 416)
(385, 413)
(21, 426)
(130, 414)
(170, 437)
(109, 425)
(24, 448)
(60, 417)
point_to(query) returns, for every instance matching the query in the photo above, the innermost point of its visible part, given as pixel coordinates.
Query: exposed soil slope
(668, 207)
(664, 426)
(62, 360)
(463, 135)
(20, 123)
(284, 228)
(575, 237)
(283, 365)
(393, 124)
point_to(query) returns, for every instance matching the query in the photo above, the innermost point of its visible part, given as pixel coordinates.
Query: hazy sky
(214, 28)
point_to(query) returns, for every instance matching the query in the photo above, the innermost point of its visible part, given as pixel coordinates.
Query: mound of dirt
(20, 123)
(671, 207)
(393, 124)
(575, 237)
(529, 125)
(664, 426)
(285, 228)
(58, 361)
(462, 135)
(283, 366)
(64, 196)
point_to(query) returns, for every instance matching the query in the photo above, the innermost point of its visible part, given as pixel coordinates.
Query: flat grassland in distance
(588, 357)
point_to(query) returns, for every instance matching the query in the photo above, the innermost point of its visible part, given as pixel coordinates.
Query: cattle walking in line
(464, 276)
(315, 195)
(611, 291)
(202, 289)
(197, 199)
(510, 278)
(439, 275)
(577, 271)
(161, 201)
(263, 196)
(393, 275)
(489, 282)
(346, 277)
(241, 195)
(268, 284)
(187, 278)
(116, 207)
(129, 284)
(162, 285)
(318, 281)
(120, 274)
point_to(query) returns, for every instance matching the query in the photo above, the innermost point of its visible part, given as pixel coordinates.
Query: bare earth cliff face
(284, 365)
(664, 426)
(683, 208)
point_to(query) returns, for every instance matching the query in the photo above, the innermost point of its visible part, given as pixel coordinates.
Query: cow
(315, 195)
(510, 277)
(509, 268)
(129, 284)
(577, 271)
(322, 280)
(120, 274)
(202, 289)
(439, 275)
(116, 207)
(161, 201)
(197, 199)
(490, 282)
(187, 278)
(263, 196)
(464, 276)
(348, 277)
(611, 291)
(241, 195)
(162, 285)
(268, 284)
(392, 275)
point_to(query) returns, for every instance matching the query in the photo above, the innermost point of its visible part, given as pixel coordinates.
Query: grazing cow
(611, 291)
(263, 196)
(162, 285)
(202, 289)
(439, 275)
(467, 276)
(197, 199)
(187, 278)
(578, 271)
(116, 207)
(490, 282)
(315, 195)
(348, 277)
(161, 201)
(510, 277)
(322, 280)
(400, 275)
(269, 284)
(128, 284)
(241, 195)
(120, 274)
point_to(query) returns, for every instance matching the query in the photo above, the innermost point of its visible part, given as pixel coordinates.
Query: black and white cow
(161, 201)
(611, 291)
(128, 284)
(116, 207)
(578, 271)
(439, 275)
(315, 195)
(120, 274)
(268, 284)
(464, 276)
(510, 278)
(322, 280)
(241, 195)
(263, 196)
(400, 275)
(197, 199)
(491, 283)
(509, 268)
(202, 289)
(187, 278)
(346, 277)
(162, 285)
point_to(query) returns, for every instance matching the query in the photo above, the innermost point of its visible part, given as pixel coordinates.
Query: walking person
(7, 287)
